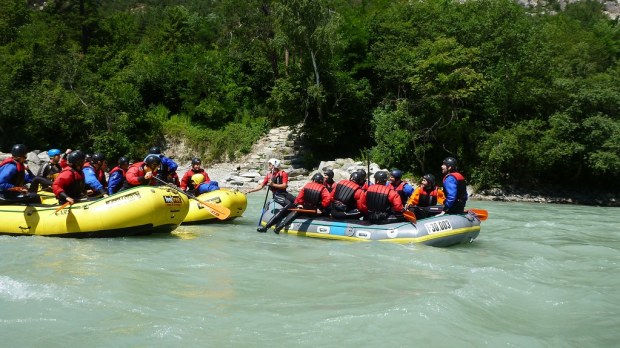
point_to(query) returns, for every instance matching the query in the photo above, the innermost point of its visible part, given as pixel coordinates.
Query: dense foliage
(519, 96)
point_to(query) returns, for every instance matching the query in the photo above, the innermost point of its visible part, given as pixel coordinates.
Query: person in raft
(403, 188)
(94, 175)
(187, 183)
(314, 197)
(454, 186)
(47, 173)
(381, 203)
(167, 167)
(427, 199)
(346, 197)
(142, 173)
(117, 175)
(277, 180)
(69, 185)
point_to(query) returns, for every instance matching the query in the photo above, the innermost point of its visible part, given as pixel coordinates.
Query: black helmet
(195, 161)
(152, 160)
(329, 173)
(381, 177)
(450, 162)
(19, 150)
(123, 160)
(98, 157)
(362, 173)
(155, 150)
(318, 178)
(356, 177)
(430, 178)
(76, 156)
(397, 173)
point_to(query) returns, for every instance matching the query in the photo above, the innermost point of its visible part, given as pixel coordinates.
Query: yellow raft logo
(174, 200)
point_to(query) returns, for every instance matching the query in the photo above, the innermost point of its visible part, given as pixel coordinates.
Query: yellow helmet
(198, 178)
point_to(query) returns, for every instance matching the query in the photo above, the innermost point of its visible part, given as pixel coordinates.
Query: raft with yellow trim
(438, 231)
(137, 211)
(231, 199)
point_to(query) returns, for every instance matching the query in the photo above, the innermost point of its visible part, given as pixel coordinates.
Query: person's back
(346, 197)
(381, 202)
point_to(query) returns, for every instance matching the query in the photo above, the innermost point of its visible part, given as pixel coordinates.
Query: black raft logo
(173, 200)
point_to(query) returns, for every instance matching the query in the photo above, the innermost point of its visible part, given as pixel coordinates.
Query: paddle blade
(480, 213)
(410, 216)
(216, 210)
(66, 204)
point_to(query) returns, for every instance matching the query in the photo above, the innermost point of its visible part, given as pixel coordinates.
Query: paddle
(300, 210)
(218, 211)
(265, 202)
(410, 216)
(62, 207)
(480, 213)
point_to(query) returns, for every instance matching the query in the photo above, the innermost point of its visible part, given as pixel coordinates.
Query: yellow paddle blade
(216, 210)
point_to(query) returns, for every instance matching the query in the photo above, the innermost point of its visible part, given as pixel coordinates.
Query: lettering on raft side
(124, 199)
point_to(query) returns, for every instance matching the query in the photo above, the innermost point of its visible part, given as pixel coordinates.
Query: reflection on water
(538, 275)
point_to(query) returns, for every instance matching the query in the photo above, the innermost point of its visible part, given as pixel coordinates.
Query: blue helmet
(53, 152)
(397, 173)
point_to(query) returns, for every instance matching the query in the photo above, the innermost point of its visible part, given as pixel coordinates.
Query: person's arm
(395, 201)
(115, 180)
(449, 188)
(441, 197)
(415, 198)
(7, 172)
(91, 180)
(172, 165)
(185, 179)
(326, 198)
(260, 186)
(360, 200)
(299, 200)
(408, 190)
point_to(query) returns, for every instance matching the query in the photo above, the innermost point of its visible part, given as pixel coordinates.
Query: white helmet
(274, 162)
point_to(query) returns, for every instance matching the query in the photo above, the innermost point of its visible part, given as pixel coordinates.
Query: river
(537, 276)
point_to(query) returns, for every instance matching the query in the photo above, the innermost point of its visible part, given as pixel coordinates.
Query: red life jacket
(427, 198)
(377, 198)
(70, 181)
(329, 185)
(312, 195)
(400, 189)
(345, 193)
(17, 180)
(276, 178)
(116, 169)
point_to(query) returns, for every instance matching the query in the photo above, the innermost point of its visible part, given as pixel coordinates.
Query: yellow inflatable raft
(231, 199)
(136, 211)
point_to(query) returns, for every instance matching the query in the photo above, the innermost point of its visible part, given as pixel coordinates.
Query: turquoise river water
(537, 276)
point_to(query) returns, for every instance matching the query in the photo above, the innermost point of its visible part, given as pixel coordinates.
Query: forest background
(523, 97)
